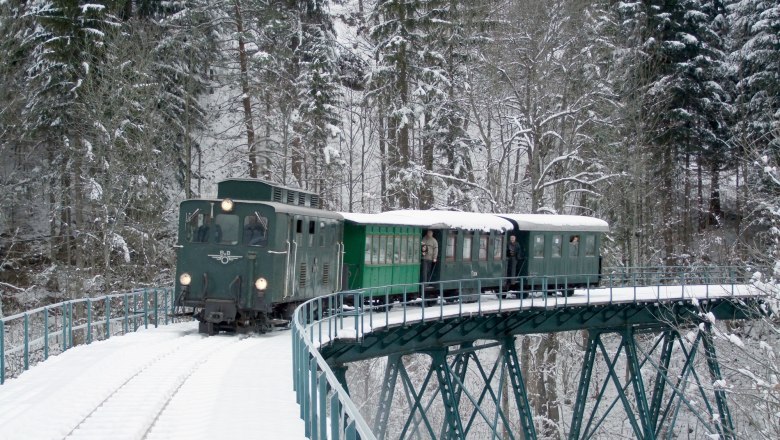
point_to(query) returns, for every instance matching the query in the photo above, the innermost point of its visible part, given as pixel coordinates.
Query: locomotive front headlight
(261, 283)
(185, 279)
(227, 205)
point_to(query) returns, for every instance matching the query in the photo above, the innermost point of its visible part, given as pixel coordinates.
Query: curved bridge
(651, 330)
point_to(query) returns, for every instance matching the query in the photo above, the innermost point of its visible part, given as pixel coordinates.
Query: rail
(33, 336)
(325, 405)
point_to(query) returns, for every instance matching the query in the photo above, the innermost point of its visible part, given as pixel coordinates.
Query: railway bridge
(450, 367)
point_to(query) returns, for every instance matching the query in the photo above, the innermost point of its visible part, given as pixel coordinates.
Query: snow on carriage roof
(433, 219)
(480, 221)
(551, 222)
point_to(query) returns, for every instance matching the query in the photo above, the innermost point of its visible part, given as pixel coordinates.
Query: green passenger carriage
(562, 252)
(381, 250)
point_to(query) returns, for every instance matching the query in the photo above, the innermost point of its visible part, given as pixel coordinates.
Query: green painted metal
(37, 331)
(414, 400)
(2, 352)
(443, 373)
(313, 377)
(726, 425)
(108, 318)
(386, 395)
(635, 371)
(45, 333)
(381, 255)
(660, 384)
(582, 390)
(518, 386)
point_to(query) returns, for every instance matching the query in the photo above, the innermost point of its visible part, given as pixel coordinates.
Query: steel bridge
(452, 368)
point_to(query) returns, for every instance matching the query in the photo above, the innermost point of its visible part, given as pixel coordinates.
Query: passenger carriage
(562, 252)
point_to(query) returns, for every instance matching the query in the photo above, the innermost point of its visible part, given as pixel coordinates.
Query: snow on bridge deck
(379, 317)
(164, 383)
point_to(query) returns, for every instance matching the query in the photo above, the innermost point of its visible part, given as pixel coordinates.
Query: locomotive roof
(433, 219)
(280, 207)
(552, 222)
(263, 182)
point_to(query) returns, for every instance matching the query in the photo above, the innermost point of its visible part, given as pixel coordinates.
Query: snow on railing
(33, 336)
(350, 315)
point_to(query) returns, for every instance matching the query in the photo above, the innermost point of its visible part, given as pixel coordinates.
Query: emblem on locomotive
(224, 257)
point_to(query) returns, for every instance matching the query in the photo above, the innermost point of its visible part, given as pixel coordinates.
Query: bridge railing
(350, 315)
(326, 408)
(33, 336)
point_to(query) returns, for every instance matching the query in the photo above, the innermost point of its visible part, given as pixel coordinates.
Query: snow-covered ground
(164, 383)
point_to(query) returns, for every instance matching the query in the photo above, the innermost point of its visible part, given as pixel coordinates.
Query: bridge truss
(452, 369)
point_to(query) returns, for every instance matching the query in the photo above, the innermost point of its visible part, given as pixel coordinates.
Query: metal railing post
(89, 320)
(26, 341)
(45, 332)
(126, 312)
(146, 308)
(108, 316)
(2, 352)
(64, 326)
(156, 311)
(70, 324)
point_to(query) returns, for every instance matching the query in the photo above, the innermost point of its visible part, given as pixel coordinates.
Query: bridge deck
(383, 330)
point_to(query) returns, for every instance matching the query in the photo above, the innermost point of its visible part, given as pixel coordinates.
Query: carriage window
(450, 255)
(402, 252)
(574, 246)
(411, 249)
(311, 232)
(226, 229)
(375, 250)
(590, 245)
(323, 234)
(467, 242)
(539, 246)
(556, 246)
(498, 247)
(198, 225)
(255, 230)
(367, 254)
(383, 249)
(397, 249)
(483, 245)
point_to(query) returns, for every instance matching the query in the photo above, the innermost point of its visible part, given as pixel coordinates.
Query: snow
(550, 222)
(354, 327)
(164, 383)
(455, 219)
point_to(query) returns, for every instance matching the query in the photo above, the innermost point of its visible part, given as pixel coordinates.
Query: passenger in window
(574, 246)
(514, 256)
(430, 251)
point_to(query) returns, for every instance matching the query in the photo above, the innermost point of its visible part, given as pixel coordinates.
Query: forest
(661, 117)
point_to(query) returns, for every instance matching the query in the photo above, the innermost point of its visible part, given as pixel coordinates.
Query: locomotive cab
(223, 266)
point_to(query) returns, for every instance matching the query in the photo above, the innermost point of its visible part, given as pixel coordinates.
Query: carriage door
(574, 263)
(296, 249)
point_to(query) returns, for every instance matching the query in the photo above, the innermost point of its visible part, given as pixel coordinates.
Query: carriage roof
(433, 219)
(552, 222)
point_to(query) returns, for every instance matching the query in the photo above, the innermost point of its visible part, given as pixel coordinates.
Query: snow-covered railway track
(138, 402)
(165, 383)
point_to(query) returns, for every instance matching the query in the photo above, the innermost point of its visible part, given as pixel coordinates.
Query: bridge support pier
(649, 419)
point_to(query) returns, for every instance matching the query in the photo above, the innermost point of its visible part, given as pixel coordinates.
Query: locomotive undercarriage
(216, 316)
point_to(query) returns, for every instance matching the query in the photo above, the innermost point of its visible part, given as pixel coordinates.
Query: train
(248, 257)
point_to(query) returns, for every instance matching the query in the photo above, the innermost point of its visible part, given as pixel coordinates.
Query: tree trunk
(245, 95)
